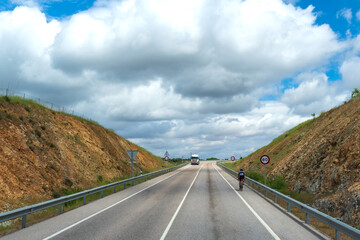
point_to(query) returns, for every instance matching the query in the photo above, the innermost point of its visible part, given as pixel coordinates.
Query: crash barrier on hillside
(309, 211)
(22, 212)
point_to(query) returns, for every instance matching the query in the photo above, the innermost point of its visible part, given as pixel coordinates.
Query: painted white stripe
(103, 210)
(251, 209)
(179, 207)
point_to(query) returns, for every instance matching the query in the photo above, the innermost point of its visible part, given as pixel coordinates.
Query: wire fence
(50, 105)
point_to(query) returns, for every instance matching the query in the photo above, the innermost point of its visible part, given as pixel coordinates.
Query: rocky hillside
(43, 152)
(321, 157)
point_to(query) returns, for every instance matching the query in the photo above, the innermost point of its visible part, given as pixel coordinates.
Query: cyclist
(241, 177)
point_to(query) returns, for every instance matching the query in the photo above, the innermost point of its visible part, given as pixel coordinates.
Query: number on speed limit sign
(265, 159)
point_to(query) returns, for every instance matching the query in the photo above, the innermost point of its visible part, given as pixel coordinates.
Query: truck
(195, 160)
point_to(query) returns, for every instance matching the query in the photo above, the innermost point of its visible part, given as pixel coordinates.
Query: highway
(193, 202)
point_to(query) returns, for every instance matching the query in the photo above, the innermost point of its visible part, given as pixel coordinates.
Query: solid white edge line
(251, 209)
(179, 207)
(93, 215)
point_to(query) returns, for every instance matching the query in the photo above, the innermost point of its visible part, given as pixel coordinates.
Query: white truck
(195, 160)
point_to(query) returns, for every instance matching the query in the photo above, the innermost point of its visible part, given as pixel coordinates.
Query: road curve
(194, 202)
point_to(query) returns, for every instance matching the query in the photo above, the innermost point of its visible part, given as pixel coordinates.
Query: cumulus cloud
(350, 70)
(231, 134)
(186, 75)
(314, 94)
(226, 49)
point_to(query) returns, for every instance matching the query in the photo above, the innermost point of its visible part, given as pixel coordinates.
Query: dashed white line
(179, 207)
(251, 209)
(103, 210)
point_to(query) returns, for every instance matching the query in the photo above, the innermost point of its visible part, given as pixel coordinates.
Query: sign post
(265, 159)
(132, 155)
(166, 157)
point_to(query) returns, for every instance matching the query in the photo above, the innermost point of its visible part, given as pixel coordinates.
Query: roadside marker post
(132, 155)
(166, 157)
(265, 159)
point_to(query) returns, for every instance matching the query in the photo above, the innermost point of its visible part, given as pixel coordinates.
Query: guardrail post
(102, 194)
(266, 193)
(288, 207)
(124, 185)
(84, 200)
(23, 223)
(60, 210)
(337, 234)
(275, 200)
(114, 189)
(132, 183)
(307, 218)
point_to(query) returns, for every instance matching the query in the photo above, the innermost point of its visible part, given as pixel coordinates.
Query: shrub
(43, 127)
(355, 93)
(99, 178)
(27, 108)
(255, 176)
(55, 194)
(278, 182)
(21, 118)
(38, 133)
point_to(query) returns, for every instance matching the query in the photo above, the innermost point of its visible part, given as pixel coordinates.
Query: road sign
(265, 159)
(132, 154)
(232, 158)
(166, 158)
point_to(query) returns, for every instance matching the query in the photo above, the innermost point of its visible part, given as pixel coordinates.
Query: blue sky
(218, 78)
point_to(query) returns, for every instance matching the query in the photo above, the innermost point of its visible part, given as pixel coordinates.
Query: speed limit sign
(166, 158)
(265, 159)
(232, 158)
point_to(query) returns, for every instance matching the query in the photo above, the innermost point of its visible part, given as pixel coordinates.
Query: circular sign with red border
(265, 159)
(166, 158)
(232, 158)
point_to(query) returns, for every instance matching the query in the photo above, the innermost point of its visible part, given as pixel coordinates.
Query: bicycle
(241, 184)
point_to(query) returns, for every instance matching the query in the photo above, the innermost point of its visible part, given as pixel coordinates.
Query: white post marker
(265, 159)
(232, 158)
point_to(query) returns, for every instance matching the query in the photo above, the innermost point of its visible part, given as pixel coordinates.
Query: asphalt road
(194, 202)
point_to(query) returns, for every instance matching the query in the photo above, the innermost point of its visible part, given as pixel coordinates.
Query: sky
(218, 78)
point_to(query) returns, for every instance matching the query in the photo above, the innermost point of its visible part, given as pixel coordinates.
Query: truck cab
(195, 160)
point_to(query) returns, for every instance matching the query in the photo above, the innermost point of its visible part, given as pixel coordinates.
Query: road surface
(194, 202)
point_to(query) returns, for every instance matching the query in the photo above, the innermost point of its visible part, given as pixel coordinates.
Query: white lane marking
(251, 209)
(179, 207)
(103, 210)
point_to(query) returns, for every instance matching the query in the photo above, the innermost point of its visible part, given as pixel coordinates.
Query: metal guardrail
(309, 211)
(22, 212)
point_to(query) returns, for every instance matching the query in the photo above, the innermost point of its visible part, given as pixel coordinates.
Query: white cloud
(345, 13)
(350, 71)
(187, 75)
(314, 94)
(358, 15)
(220, 48)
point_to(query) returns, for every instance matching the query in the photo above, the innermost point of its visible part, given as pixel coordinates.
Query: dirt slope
(322, 157)
(43, 152)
